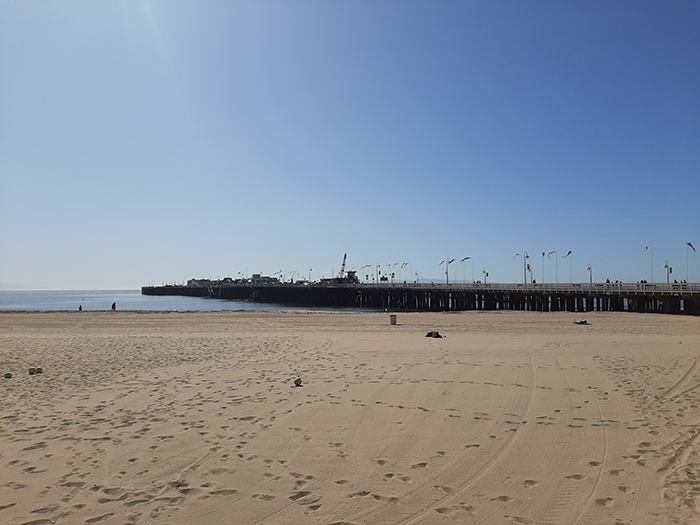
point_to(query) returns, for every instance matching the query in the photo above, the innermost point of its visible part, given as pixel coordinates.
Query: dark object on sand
(114, 306)
(434, 334)
(581, 322)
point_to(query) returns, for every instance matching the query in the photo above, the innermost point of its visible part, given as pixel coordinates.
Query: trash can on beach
(392, 319)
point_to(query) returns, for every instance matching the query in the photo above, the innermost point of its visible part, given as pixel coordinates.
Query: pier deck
(671, 298)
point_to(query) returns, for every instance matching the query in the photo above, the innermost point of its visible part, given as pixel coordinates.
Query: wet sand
(193, 418)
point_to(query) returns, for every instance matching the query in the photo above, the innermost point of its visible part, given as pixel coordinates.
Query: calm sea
(95, 300)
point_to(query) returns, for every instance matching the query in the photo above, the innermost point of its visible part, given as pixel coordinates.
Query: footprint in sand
(419, 465)
(529, 483)
(520, 519)
(577, 477)
(384, 498)
(299, 495)
(504, 499)
(45, 510)
(97, 519)
(604, 502)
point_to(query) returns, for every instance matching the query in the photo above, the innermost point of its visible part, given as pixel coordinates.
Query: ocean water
(96, 300)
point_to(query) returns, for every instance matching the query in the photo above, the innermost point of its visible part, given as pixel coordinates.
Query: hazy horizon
(156, 141)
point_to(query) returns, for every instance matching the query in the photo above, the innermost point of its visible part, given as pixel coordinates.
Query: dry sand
(156, 418)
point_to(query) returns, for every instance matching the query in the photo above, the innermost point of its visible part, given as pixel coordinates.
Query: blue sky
(160, 141)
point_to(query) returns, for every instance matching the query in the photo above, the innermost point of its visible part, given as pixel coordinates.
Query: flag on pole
(693, 247)
(514, 256)
(443, 262)
(646, 248)
(565, 256)
(465, 259)
(550, 253)
(450, 262)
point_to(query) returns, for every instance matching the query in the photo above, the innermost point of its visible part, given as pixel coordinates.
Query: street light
(590, 273)
(687, 252)
(669, 271)
(556, 265)
(465, 268)
(447, 263)
(571, 265)
(363, 267)
(525, 257)
(542, 267)
(516, 255)
(486, 274)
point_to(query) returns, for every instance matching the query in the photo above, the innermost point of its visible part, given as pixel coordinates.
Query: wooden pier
(674, 298)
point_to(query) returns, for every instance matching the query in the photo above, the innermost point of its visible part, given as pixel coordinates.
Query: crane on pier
(349, 277)
(341, 275)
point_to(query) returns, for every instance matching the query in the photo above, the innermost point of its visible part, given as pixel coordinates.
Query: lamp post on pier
(556, 266)
(669, 271)
(651, 253)
(465, 268)
(525, 257)
(687, 252)
(571, 266)
(542, 267)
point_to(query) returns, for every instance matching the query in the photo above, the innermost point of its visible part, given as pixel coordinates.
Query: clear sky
(157, 141)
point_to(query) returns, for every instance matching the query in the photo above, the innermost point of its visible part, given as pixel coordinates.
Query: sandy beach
(193, 418)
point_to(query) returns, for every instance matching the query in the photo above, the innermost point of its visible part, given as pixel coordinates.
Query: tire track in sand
(443, 478)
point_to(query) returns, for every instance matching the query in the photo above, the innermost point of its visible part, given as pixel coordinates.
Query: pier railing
(561, 288)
